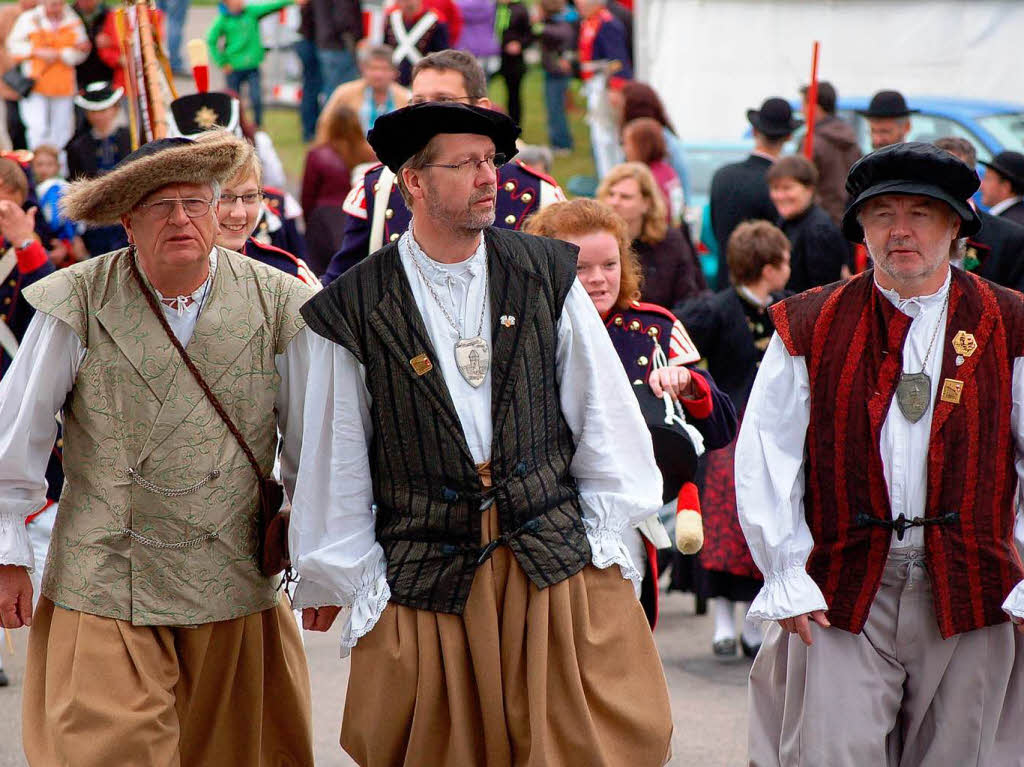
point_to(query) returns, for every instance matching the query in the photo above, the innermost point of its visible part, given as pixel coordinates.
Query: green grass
(283, 126)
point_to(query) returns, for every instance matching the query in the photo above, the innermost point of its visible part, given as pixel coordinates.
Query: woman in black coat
(819, 251)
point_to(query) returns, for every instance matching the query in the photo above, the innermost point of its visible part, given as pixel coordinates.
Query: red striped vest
(852, 340)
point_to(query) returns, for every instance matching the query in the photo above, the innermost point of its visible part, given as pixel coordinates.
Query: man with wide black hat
(876, 474)
(739, 191)
(888, 118)
(463, 487)
(157, 639)
(1002, 186)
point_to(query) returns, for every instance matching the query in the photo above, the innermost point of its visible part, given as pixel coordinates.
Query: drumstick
(7, 637)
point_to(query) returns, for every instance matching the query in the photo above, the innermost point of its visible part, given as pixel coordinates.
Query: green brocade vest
(157, 519)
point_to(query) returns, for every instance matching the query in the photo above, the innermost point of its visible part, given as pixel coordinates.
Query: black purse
(15, 79)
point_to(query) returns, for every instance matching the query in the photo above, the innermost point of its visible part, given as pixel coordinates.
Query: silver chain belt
(191, 543)
(169, 492)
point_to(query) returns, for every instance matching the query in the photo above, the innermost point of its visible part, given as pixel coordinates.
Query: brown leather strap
(155, 306)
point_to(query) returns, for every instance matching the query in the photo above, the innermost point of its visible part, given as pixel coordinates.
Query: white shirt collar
(999, 207)
(437, 272)
(916, 304)
(197, 295)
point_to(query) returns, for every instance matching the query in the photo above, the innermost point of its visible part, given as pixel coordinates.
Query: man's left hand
(319, 618)
(674, 379)
(16, 225)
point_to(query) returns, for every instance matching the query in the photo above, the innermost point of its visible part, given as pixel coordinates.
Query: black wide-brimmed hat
(774, 119)
(99, 95)
(1009, 165)
(199, 112)
(913, 168)
(398, 135)
(215, 156)
(674, 450)
(887, 104)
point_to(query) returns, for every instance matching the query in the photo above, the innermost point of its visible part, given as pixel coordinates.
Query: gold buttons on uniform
(389, 213)
(510, 186)
(376, 187)
(527, 197)
(510, 219)
(7, 301)
(642, 360)
(653, 331)
(394, 237)
(60, 443)
(634, 325)
(618, 321)
(637, 382)
(13, 283)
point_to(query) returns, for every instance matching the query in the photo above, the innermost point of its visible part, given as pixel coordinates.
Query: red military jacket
(852, 340)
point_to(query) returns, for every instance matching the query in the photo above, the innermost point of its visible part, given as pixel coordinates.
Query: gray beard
(470, 222)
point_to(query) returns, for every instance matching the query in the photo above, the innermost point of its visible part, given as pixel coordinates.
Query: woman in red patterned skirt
(732, 329)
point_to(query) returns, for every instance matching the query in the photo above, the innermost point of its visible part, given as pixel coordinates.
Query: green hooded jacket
(240, 32)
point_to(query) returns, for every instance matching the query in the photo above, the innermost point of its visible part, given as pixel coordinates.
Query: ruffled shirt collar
(915, 305)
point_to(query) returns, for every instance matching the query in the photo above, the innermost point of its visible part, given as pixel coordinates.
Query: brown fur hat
(212, 157)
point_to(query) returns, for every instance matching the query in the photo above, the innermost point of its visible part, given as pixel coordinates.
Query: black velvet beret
(912, 168)
(398, 135)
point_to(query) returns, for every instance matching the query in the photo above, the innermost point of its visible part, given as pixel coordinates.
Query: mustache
(900, 244)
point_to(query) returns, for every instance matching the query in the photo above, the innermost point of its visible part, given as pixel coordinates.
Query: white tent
(711, 60)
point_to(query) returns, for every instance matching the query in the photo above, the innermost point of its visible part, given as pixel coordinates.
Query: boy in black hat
(1002, 186)
(739, 191)
(888, 118)
(876, 477)
(466, 488)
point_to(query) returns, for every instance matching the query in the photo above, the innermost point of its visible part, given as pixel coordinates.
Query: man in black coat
(739, 192)
(997, 251)
(1002, 186)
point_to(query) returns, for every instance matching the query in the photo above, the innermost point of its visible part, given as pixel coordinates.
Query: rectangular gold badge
(951, 389)
(421, 364)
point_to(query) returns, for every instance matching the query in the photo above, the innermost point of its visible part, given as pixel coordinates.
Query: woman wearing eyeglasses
(238, 211)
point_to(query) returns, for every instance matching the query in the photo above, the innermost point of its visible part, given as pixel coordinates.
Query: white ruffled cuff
(785, 594)
(607, 548)
(15, 546)
(1014, 604)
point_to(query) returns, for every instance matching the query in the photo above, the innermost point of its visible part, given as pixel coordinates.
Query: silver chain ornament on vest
(914, 391)
(472, 355)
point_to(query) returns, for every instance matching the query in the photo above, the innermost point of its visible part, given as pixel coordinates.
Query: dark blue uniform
(521, 192)
(287, 236)
(279, 259)
(16, 313)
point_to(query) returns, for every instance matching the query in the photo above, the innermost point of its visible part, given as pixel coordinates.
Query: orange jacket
(34, 32)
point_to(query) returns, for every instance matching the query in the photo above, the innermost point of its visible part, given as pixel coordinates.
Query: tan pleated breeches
(557, 677)
(101, 692)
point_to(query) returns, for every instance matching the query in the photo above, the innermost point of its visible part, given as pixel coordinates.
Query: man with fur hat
(876, 475)
(479, 465)
(739, 191)
(157, 639)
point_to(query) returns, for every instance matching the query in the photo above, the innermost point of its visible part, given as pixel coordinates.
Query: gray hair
(417, 162)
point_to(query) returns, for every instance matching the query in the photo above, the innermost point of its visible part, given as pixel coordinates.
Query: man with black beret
(1002, 186)
(157, 639)
(876, 476)
(888, 118)
(466, 482)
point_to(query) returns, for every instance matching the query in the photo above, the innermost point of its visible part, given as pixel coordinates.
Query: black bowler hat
(774, 119)
(398, 135)
(915, 167)
(99, 95)
(887, 104)
(674, 450)
(1009, 165)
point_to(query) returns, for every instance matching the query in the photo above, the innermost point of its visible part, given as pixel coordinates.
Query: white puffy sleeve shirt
(333, 541)
(770, 465)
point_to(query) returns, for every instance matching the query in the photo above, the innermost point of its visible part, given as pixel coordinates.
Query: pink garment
(671, 189)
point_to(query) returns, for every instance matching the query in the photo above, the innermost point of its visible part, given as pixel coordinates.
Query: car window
(702, 162)
(1008, 130)
(930, 128)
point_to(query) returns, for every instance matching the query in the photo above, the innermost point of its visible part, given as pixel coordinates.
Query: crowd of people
(499, 415)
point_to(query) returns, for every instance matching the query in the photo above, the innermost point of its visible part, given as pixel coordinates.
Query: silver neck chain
(935, 333)
(440, 303)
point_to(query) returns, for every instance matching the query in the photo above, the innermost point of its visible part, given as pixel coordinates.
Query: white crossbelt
(381, 198)
(405, 40)
(7, 339)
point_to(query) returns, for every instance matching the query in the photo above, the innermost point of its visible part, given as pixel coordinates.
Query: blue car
(991, 126)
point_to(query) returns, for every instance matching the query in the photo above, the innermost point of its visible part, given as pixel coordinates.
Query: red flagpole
(812, 103)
